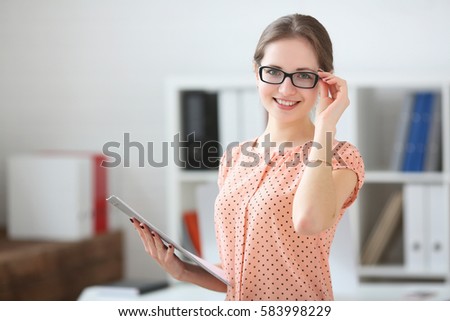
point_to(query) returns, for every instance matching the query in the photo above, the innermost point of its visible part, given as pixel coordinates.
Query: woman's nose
(287, 88)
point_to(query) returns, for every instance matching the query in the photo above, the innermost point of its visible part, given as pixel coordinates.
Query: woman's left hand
(333, 100)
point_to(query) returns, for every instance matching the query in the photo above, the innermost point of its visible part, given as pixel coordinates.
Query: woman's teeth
(285, 102)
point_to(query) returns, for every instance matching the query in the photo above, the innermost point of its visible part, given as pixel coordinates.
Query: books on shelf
(420, 211)
(383, 230)
(426, 225)
(198, 224)
(417, 145)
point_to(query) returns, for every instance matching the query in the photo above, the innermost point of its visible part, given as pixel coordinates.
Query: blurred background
(75, 75)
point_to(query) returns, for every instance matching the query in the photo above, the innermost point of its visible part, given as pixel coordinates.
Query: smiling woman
(275, 219)
(275, 224)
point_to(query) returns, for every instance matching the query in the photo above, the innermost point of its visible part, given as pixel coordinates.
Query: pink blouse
(261, 254)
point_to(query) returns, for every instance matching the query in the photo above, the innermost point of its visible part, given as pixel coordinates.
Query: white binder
(438, 233)
(414, 207)
(50, 197)
(205, 198)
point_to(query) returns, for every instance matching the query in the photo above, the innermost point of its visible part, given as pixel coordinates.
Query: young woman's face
(285, 102)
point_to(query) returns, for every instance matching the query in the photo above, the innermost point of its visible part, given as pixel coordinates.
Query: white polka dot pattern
(262, 255)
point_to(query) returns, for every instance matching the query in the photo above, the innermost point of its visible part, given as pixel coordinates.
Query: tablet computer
(209, 267)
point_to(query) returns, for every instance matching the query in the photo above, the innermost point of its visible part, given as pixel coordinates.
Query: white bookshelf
(377, 103)
(370, 123)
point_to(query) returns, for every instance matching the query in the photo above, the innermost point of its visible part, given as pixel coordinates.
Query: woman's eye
(273, 72)
(303, 75)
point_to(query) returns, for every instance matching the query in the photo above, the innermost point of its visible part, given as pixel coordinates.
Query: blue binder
(414, 156)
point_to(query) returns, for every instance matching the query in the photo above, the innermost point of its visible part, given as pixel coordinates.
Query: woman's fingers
(323, 89)
(160, 247)
(324, 98)
(152, 242)
(337, 86)
(147, 239)
(163, 254)
(149, 242)
(169, 253)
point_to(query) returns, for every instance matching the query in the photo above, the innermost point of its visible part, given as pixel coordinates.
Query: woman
(283, 193)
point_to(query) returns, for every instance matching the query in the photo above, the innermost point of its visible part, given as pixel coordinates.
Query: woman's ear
(255, 70)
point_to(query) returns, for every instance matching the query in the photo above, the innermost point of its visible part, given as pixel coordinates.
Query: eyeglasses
(300, 79)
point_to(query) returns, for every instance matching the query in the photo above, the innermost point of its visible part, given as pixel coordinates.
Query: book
(199, 132)
(254, 116)
(383, 230)
(424, 129)
(230, 123)
(415, 209)
(190, 220)
(205, 196)
(401, 134)
(433, 153)
(414, 155)
(437, 236)
(100, 182)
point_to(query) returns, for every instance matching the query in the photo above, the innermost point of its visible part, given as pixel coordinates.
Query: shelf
(404, 178)
(397, 81)
(371, 177)
(212, 83)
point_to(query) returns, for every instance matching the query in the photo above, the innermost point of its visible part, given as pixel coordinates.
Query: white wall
(76, 74)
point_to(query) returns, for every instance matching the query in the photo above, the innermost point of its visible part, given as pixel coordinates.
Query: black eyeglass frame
(288, 75)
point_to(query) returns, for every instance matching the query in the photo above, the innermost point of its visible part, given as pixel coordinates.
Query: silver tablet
(209, 267)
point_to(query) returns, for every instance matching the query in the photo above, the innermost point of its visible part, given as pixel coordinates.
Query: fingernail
(132, 221)
(142, 226)
(170, 246)
(153, 234)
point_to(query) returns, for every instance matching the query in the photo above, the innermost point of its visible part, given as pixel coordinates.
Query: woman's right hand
(163, 254)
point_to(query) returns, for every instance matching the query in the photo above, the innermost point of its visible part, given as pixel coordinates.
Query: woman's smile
(286, 104)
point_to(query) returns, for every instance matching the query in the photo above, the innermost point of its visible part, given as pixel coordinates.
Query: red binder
(191, 222)
(100, 185)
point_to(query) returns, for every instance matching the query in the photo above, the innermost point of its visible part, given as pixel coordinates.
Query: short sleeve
(347, 156)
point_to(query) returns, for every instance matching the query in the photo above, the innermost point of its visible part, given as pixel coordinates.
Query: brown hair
(297, 25)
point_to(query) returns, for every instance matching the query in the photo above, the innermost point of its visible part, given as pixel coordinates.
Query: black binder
(200, 147)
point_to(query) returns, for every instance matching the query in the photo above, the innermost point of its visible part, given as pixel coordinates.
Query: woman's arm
(178, 269)
(322, 191)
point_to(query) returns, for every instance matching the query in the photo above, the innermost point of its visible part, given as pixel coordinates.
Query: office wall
(77, 74)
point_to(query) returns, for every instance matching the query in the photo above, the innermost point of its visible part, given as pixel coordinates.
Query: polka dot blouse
(261, 254)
